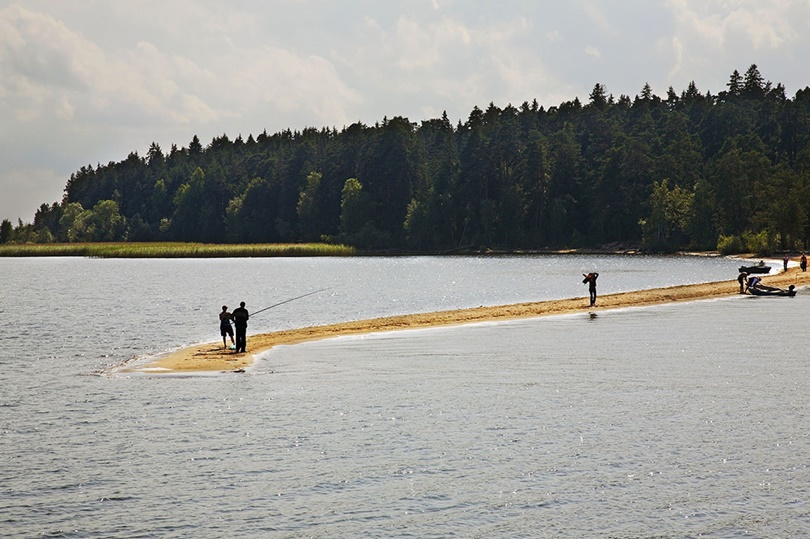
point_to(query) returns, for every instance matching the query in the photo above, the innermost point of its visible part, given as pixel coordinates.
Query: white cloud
(594, 11)
(52, 70)
(419, 46)
(711, 38)
(708, 28)
(767, 25)
(760, 24)
(677, 52)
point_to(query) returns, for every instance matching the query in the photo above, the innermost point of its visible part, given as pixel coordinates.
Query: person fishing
(240, 317)
(591, 280)
(225, 326)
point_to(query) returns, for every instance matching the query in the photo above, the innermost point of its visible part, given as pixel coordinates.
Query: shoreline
(212, 357)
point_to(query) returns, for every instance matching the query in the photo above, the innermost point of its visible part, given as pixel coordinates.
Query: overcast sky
(84, 82)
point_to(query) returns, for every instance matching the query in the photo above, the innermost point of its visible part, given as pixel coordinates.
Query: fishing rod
(291, 299)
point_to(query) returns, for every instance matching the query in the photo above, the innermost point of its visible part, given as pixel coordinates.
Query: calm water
(684, 420)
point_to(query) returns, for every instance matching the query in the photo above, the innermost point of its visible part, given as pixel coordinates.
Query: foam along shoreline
(212, 356)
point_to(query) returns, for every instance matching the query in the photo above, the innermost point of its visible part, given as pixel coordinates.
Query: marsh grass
(174, 250)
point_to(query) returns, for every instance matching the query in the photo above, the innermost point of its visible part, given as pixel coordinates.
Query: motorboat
(759, 268)
(763, 290)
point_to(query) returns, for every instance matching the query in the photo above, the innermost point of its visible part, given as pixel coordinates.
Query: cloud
(283, 84)
(149, 85)
(593, 10)
(53, 72)
(677, 51)
(35, 61)
(760, 25)
(78, 102)
(711, 38)
(765, 25)
(424, 65)
(418, 46)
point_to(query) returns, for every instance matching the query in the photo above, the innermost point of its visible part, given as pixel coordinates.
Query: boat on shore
(762, 290)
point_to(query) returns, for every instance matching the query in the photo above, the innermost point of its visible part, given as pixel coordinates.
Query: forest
(727, 171)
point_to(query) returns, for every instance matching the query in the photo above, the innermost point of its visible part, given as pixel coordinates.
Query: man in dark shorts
(225, 326)
(240, 319)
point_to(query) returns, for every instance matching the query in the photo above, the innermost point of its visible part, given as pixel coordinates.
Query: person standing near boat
(240, 319)
(591, 280)
(225, 326)
(785, 261)
(742, 278)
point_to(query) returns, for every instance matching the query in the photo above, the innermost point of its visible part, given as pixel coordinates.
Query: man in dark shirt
(590, 279)
(240, 319)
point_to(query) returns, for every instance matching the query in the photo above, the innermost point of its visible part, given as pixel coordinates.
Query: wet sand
(213, 357)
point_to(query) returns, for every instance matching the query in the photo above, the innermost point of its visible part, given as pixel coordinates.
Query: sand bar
(213, 357)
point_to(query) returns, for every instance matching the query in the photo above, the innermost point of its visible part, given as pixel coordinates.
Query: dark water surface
(684, 420)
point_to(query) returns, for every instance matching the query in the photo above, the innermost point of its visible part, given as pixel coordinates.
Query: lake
(683, 420)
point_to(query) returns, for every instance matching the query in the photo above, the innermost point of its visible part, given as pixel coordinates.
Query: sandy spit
(213, 357)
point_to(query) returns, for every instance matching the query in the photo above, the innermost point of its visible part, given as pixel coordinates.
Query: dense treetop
(689, 170)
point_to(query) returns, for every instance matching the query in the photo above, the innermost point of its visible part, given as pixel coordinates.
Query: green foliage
(760, 243)
(420, 226)
(6, 231)
(194, 217)
(730, 245)
(102, 223)
(356, 218)
(355, 209)
(671, 213)
(308, 210)
(663, 174)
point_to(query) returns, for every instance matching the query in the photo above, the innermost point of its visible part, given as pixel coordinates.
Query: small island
(212, 357)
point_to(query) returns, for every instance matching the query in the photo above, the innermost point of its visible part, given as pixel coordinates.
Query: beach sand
(213, 357)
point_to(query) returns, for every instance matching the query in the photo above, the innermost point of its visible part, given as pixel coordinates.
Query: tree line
(693, 170)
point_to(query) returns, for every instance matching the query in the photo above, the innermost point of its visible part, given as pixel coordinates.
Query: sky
(87, 82)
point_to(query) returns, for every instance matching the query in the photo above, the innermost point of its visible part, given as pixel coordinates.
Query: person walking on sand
(240, 319)
(803, 262)
(591, 280)
(225, 326)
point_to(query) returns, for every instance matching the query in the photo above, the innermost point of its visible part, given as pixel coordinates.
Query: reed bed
(174, 250)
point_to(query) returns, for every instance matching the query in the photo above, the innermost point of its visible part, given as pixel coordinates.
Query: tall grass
(174, 250)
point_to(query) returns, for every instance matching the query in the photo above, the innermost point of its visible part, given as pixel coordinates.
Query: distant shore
(123, 249)
(212, 356)
(158, 249)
